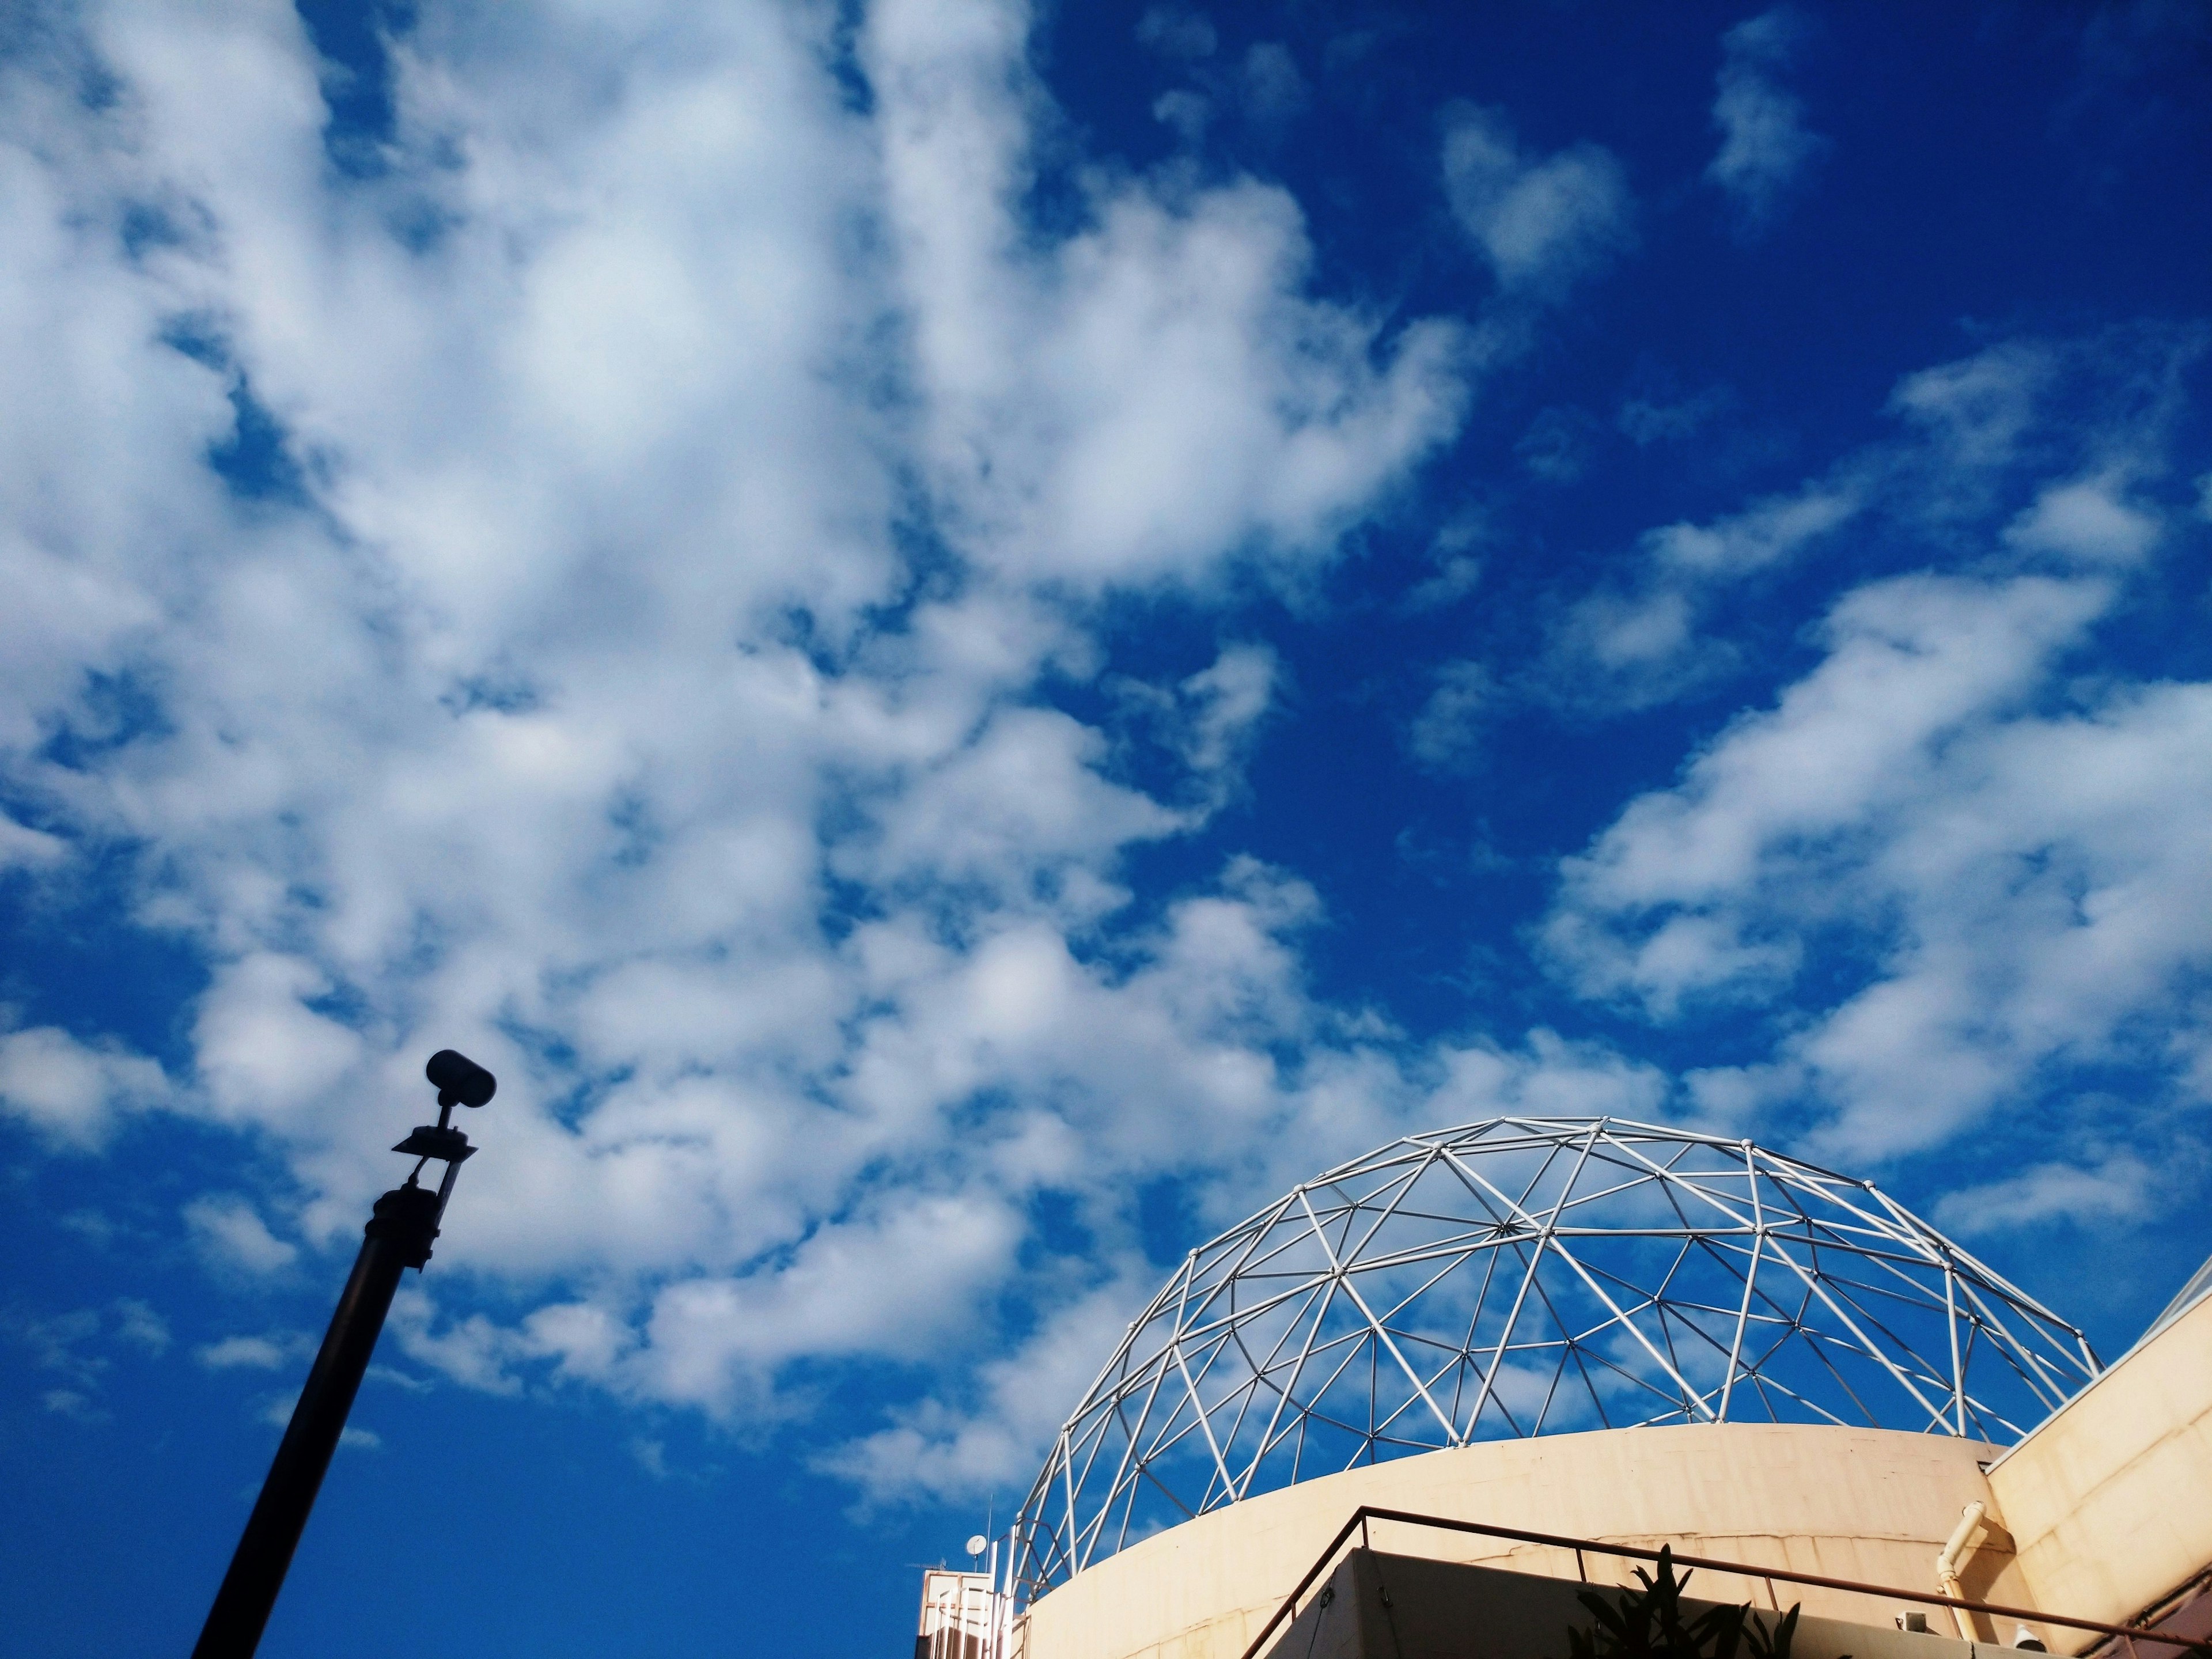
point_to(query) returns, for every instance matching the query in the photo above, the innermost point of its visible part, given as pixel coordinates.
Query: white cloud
(1647, 420)
(2085, 521)
(884, 1283)
(1766, 150)
(1550, 1077)
(1445, 735)
(1152, 393)
(22, 846)
(471, 1350)
(72, 1403)
(262, 1354)
(262, 1051)
(933, 1447)
(1974, 411)
(1764, 533)
(985, 1439)
(1189, 112)
(1210, 718)
(2000, 859)
(1645, 639)
(1543, 222)
(2025, 883)
(1274, 91)
(2118, 1189)
(1026, 793)
(1972, 435)
(1909, 663)
(137, 1324)
(1177, 32)
(1557, 446)
(1225, 703)
(707, 484)
(230, 1233)
(62, 1344)
(73, 1093)
(710, 487)
(1458, 566)
(1629, 647)
(56, 1342)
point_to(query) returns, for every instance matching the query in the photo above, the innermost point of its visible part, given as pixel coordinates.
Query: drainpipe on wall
(1954, 1557)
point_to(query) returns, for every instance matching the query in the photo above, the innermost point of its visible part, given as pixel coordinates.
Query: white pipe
(1952, 1557)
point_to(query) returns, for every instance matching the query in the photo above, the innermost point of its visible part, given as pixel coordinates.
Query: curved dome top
(1523, 1276)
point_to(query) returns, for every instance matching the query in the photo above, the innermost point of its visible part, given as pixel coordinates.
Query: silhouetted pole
(398, 1237)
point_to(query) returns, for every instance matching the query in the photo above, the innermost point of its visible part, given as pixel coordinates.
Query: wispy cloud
(260, 1354)
(1767, 153)
(75, 1093)
(1446, 734)
(78, 1349)
(1177, 32)
(661, 638)
(230, 1232)
(2111, 1192)
(1982, 455)
(2004, 852)
(1542, 222)
(682, 581)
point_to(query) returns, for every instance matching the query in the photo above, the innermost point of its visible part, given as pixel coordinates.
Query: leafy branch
(1651, 1624)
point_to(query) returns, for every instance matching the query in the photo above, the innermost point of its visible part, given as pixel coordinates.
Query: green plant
(1650, 1623)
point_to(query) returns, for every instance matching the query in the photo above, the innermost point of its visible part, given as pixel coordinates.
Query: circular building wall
(1870, 1505)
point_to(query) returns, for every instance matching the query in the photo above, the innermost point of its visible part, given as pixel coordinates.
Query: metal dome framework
(1524, 1276)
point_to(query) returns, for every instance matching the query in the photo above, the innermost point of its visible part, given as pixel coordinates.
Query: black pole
(398, 1237)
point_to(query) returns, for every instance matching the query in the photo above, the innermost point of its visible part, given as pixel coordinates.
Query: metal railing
(1366, 1513)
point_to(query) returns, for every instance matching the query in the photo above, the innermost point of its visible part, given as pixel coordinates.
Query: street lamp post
(398, 1237)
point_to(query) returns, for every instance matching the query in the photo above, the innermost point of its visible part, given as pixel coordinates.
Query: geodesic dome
(1524, 1276)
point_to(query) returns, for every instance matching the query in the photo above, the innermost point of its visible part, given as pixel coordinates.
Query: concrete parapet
(1393, 1607)
(1868, 1504)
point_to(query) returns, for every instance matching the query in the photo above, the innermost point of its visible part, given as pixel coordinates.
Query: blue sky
(962, 640)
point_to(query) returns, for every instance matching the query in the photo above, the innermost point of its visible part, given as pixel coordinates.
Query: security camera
(459, 1080)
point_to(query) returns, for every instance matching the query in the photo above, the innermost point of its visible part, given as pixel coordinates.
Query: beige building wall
(1869, 1504)
(2110, 1500)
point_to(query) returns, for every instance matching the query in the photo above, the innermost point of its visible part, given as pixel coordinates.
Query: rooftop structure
(1523, 1277)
